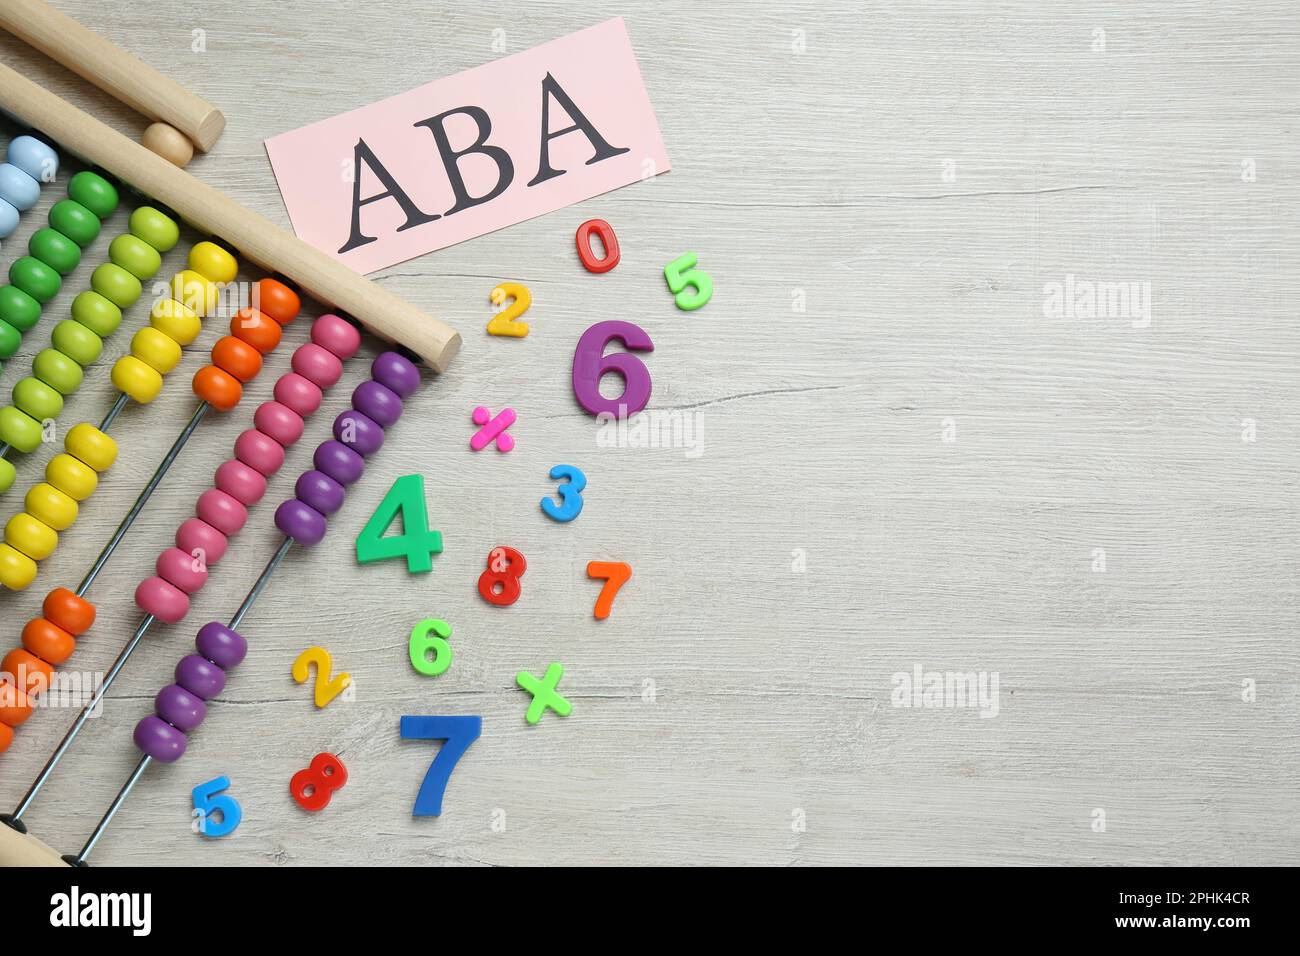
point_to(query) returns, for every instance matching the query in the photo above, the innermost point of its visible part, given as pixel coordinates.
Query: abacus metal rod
(122, 399)
(253, 593)
(159, 473)
(122, 794)
(77, 724)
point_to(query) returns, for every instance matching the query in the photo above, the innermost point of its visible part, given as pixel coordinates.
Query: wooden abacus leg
(18, 848)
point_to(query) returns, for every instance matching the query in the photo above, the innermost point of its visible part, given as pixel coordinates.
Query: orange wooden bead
(6, 737)
(218, 388)
(238, 358)
(256, 329)
(27, 671)
(15, 707)
(277, 300)
(47, 641)
(64, 609)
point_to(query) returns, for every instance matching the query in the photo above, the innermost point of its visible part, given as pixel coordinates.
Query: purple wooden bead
(200, 676)
(301, 522)
(159, 739)
(359, 432)
(339, 462)
(179, 707)
(396, 372)
(377, 402)
(221, 645)
(321, 492)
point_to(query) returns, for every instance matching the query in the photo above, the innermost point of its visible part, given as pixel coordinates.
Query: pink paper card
(463, 156)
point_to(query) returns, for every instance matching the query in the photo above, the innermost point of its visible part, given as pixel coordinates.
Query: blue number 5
(207, 802)
(459, 733)
(570, 494)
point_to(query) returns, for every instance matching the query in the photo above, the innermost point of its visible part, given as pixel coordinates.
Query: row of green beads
(135, 255)
(53, 252)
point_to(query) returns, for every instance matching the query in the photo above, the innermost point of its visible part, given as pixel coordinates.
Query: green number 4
(416, 543)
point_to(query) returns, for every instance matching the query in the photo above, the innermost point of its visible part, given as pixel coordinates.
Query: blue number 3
(570, 494)
(459, 733)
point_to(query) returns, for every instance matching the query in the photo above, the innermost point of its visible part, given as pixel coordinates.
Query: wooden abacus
(240, 482)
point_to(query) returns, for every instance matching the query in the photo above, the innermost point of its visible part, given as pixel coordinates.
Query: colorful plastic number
(421, 644)
(607, 238)
(616, 574)
(544, 693)
(590, 362)
(416, 543)
(326, 689)
(681, 273)
(570, 505)
(506, 321)
(504, 567)
(459, 733)
(208, 800)
(312, 788)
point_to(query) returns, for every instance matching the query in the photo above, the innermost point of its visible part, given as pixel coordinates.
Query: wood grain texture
(814, 175)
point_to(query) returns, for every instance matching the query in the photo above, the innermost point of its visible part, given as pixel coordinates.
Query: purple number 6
(590, 362)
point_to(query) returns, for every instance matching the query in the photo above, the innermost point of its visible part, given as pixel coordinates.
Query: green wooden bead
(115, 284)
(94, 192)
(19, 429)
(155, 228)
(7, 474)
(77, 342)
(96, 313)
(35, 278)
(75, 221)
(10, 339)
(37, 399)
(57, 370)
(54, 249)
(18, 308)
(135, 256)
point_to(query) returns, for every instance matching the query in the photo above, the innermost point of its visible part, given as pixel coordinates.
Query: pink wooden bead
(199, 539)
(259, 451)
(221, 511)
(297, 394)
(246, 485)
(317, 365)
(338, 336)
(164, 601)
(179, 568)
(282, 424)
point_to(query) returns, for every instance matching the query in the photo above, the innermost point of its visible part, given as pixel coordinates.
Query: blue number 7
(459, 733)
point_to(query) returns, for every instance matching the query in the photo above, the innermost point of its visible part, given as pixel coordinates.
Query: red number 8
(325, 775)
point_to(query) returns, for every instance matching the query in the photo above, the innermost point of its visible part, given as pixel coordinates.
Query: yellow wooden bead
(88, 444)
(33, 538)
(16, 569)
(142, 382)
(74, 478)
(156, 349)
(195, 292)
(46, 503)
(176, 320)
(214, 262)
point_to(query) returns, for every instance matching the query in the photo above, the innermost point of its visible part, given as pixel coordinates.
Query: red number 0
(610, 241)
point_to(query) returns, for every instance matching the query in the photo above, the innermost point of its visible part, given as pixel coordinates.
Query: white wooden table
(905, 461)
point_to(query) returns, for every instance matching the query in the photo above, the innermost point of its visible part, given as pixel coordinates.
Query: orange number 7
(617, 574)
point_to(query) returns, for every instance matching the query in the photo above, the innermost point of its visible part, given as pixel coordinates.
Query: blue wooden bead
(34, 158)
(8, 219)
(17, 188)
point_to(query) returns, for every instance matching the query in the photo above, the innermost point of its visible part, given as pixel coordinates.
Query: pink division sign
(463, 156)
